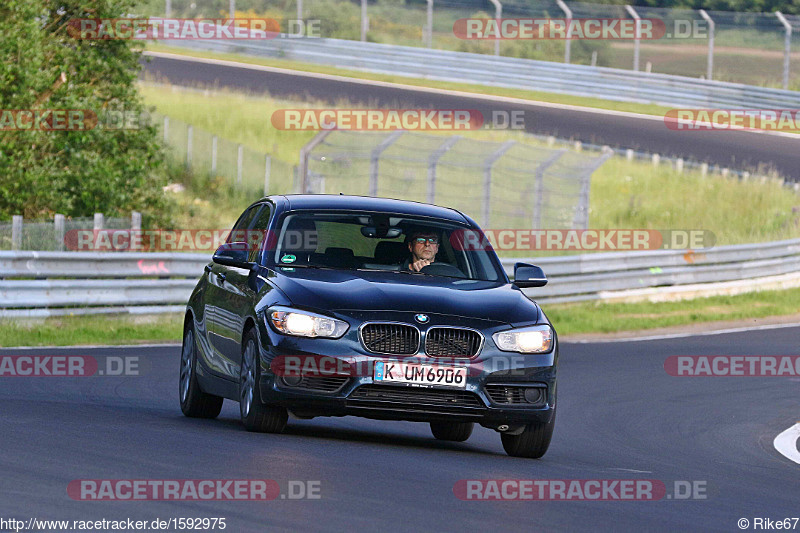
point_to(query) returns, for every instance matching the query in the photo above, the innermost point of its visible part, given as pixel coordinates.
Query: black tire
(532, 442)
(256, 416)
(194, 402)
(452, 431)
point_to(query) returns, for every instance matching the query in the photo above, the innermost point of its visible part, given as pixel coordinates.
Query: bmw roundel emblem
(421, 318)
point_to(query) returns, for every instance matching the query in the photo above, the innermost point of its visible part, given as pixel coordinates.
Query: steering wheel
(442, 269)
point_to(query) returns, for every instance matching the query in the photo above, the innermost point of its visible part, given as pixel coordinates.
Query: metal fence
(125, 282)
(742, 47)
(503, 185)
(510, 185)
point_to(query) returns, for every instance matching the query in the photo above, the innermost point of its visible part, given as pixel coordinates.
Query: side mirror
(233, 254)
(526, 275)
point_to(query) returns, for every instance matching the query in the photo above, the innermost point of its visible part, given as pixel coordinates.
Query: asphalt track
(620, 417)
(735, 149)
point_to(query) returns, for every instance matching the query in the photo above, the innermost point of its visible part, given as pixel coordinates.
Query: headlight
(305, 324)
(533, 339)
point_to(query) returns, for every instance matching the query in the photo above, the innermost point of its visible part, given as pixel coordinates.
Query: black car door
(226, 302)
(236, 295)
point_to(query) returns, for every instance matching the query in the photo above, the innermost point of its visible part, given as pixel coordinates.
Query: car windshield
(385, 242)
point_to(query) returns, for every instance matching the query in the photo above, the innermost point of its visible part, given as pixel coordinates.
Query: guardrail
(56, 283)
(510, 72)
(606, 275)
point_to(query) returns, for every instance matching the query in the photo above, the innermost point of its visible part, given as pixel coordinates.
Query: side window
(239, 231)
(258, 233)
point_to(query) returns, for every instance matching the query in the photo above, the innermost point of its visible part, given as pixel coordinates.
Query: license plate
(424, 375)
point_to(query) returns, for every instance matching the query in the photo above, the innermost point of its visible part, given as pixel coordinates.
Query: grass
(624, 194)
(569, 319)
(91, 330)
(592, 317)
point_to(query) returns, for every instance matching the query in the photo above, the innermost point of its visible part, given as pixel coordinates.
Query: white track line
(786, 443)
(566, 339)
(462, 94)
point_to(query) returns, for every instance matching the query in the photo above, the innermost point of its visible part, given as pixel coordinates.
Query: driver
(423, 245)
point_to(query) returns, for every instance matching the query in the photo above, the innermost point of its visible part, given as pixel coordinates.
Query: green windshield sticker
(288, 258)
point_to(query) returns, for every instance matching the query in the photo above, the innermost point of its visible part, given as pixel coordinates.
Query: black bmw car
(321, 305)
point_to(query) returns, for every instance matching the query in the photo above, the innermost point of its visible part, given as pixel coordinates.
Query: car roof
(369, 203)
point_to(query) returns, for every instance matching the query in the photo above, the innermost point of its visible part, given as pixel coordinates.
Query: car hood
(347, 290)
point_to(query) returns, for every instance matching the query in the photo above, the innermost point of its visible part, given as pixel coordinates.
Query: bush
(77, 173)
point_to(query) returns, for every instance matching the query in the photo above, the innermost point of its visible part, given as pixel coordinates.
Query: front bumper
(495, 392)
(493, 396)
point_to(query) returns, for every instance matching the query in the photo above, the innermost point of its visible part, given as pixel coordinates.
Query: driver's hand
(419, 265)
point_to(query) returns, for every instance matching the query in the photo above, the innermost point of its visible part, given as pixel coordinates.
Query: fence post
(711, 27)
(364, 21)
(498, 14)
(374, 160)
(539, 186)
(16, 232)
(581, 219)
(567, 43)
(136, 221)
(487, 180)
(232, 8)
(433, 160)
(787, 47)
(636, 41)
(99, 221)
(214, 155)
(58, 226)
(305, 151)
(299, 9)
(168, 9)
(429, 29)
(239, 163)
(267, 171)
(189, 134)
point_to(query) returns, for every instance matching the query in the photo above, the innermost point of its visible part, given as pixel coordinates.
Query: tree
(45, 67)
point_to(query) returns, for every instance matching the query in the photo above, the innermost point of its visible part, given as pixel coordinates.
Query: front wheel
(532, 442)
(255, 415)
(452, 431)
(194, 402)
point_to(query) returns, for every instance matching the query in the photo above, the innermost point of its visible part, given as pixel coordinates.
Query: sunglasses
(423, 240)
